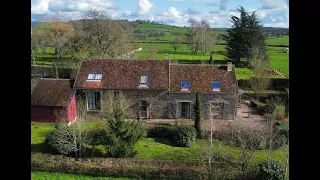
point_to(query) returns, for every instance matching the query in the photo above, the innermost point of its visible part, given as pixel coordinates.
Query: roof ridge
(53, 79)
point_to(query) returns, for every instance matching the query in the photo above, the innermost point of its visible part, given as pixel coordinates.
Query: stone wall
(164, 105)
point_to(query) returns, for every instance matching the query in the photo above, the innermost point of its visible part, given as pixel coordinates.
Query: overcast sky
(271, 13)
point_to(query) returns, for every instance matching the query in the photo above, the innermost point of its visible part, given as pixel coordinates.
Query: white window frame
(144, 80)
(96, 77)
(93, 93)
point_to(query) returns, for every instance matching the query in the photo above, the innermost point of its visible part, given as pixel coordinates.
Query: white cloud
(173, 17)
(80, 5)
(272, 4)
(40, 7)
(127, 13)
(172, 12)
(144, 6)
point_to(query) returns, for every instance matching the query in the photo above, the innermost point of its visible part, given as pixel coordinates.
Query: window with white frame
(94, 77)
(215, 85)
(93, 98)
(144, 81)
(185, 85)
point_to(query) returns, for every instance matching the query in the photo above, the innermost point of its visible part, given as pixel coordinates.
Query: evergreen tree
(197, 110)
(245, 37)
(121, 136)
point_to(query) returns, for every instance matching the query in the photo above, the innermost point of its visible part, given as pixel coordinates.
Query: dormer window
(185, 85)
(94, 77)
(215, 85)
(144, 81)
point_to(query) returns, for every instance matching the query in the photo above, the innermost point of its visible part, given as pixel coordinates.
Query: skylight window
(215, 85)
(185, 85)
(94, 77)
(144, 81)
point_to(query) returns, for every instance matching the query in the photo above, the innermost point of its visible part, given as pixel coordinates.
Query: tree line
(94, 36)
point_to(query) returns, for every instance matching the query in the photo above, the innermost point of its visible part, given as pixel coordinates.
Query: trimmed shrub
(162, 131)
(271, 170)
(184, 136)
(283, 128)
(119, 167)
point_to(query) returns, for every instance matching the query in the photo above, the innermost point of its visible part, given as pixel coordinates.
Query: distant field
(278, 59)
(183, 53)
(284, 40)
(145, 26)
(164, 38)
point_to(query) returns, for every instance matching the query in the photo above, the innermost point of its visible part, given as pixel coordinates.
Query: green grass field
(44, 175)
(145, 26)
(279, 60)
(162, 149)
(184, 52)
(284, 40)
(150, 148)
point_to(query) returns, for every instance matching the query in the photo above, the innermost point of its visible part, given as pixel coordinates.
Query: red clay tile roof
(52, 92)
(34, 82)
(201, 76)
(123, 74)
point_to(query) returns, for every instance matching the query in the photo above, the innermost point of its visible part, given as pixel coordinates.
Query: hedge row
(112, 167)
(182, 136)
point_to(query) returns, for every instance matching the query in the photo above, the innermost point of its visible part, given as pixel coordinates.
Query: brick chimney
(229, 66)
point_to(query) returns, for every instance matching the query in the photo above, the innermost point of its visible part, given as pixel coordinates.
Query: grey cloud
(192, 11)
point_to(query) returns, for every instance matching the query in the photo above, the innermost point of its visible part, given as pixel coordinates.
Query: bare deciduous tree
(58, 34)
(200, 36)
(260, 82)
(176, 44)
(105, 37)
(247, 135)
(117, 99)
(152, 51)
(70, 139)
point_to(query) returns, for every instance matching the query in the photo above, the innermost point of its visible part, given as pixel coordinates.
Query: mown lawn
(44, 175)
(163, 149)
(278, 60)
(284, 40)
(244, 73)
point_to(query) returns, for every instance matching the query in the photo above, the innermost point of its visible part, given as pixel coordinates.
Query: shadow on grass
(86, 152)
(50, 59)
(38, 148)
(166, 141)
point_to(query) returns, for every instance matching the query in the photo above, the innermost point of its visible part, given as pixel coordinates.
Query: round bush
(161, 131)
(184, 136)
(271, 170)
(278, 141)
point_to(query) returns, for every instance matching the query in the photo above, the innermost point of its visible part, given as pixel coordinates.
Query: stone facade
(163, 105)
